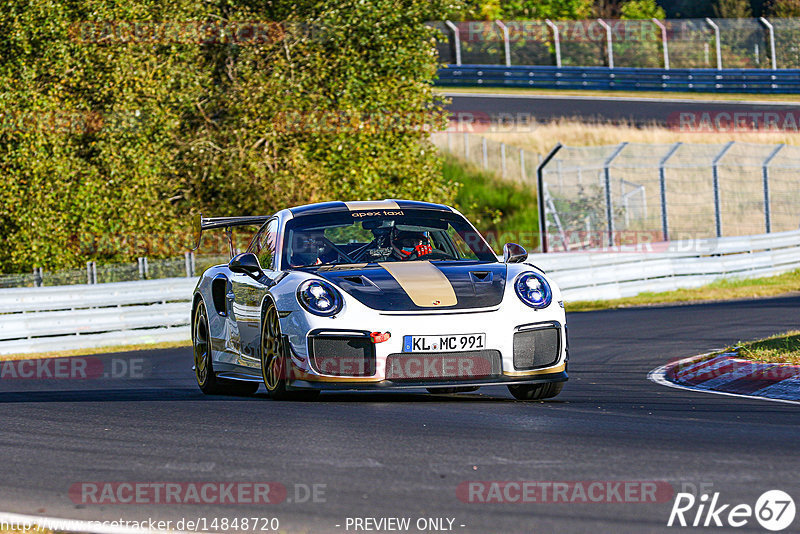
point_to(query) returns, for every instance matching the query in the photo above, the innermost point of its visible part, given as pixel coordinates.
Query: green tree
(641, 10)
(784, 8)
(733, 9)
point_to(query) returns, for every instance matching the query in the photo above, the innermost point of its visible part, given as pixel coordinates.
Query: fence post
(466, 146)
(771, 29)
(457, 37)
(522, 176)
(506, 41)
(485, 150)
(609, 43)
(717, 39)
(715, 175)
(540, 195)
(765, 175)
(37, 277)
(662, 179)
(607, 176)
(143, 268)
(556, 41)
(664, 44)
(503, 160)
(91, 272)
(450, 142)
(188, 263)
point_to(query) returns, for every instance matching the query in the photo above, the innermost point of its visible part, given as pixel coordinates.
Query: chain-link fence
(600, 196)
(189, 265)
(652, 43)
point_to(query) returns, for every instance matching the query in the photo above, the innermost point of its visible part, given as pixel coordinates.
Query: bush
(110, 143)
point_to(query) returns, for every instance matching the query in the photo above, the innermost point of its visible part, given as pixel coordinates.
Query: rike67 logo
(774, 510)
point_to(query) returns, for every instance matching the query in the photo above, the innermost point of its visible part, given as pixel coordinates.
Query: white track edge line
(75, 525)
(657, 376)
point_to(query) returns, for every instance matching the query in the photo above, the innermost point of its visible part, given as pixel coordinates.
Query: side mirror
(245, 263)
(513, 253)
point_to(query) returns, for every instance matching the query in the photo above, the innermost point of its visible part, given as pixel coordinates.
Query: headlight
(533, 290)
(320, 298)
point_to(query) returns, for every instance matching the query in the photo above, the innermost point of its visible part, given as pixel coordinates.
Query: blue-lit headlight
(320, 298)
(533, 290)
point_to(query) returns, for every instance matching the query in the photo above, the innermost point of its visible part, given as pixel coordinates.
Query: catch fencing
(598, 197)
(662, 44)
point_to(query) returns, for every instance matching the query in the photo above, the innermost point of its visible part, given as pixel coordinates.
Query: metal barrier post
(609, 43)
(485, 150)
(717, 39)
(91, 272)
(503, 160)
(715, 175)
(664, 44)
(187, 261)
(771, 30)
(466, 146)
(540, 194)
(765, 176)
(37, 277)
(506, 41)
(457, 37)
(662, 178)
(522, 177)
(556, 40)
(609, 207)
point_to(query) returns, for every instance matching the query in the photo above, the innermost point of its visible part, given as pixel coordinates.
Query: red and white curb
(726, 374)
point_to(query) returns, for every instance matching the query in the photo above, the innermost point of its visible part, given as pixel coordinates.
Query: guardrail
(75, 317)
(46, 319)
(669, 266)
(624, 79)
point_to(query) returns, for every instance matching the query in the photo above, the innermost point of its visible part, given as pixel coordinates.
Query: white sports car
(375, 295)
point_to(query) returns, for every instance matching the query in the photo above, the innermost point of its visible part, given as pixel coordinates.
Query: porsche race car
(370, 296)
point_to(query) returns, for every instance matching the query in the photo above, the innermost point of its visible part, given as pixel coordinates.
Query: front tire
(274, 360)
(207, 380)
(536, 391)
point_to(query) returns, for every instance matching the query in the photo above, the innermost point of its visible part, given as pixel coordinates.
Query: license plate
(452, 343)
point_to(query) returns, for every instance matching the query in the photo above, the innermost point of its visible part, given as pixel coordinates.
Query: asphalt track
(632, 110)
(404, 454)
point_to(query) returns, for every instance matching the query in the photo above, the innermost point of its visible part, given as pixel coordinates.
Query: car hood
(420, 285)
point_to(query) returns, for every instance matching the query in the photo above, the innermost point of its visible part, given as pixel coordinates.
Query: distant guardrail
(43, 319)
(623, 79)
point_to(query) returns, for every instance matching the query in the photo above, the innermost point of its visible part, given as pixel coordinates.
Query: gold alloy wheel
(202, 346)
(273, 361)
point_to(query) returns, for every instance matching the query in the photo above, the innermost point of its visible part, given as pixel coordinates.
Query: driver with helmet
(412, 243)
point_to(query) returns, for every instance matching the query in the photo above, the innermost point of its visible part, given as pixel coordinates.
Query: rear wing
(201, 223)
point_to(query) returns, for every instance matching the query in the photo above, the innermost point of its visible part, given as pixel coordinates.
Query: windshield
(359, 237)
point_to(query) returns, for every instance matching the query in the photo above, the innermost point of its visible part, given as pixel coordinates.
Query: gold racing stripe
(362, 205)
(423, 282)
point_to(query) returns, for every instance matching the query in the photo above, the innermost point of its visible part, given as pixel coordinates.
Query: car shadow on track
(191, 394)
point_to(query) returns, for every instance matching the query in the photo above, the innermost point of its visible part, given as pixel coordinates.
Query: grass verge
(780, 348)
(733, 97)
(502, 211)
(731, 289)
(97, 350)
